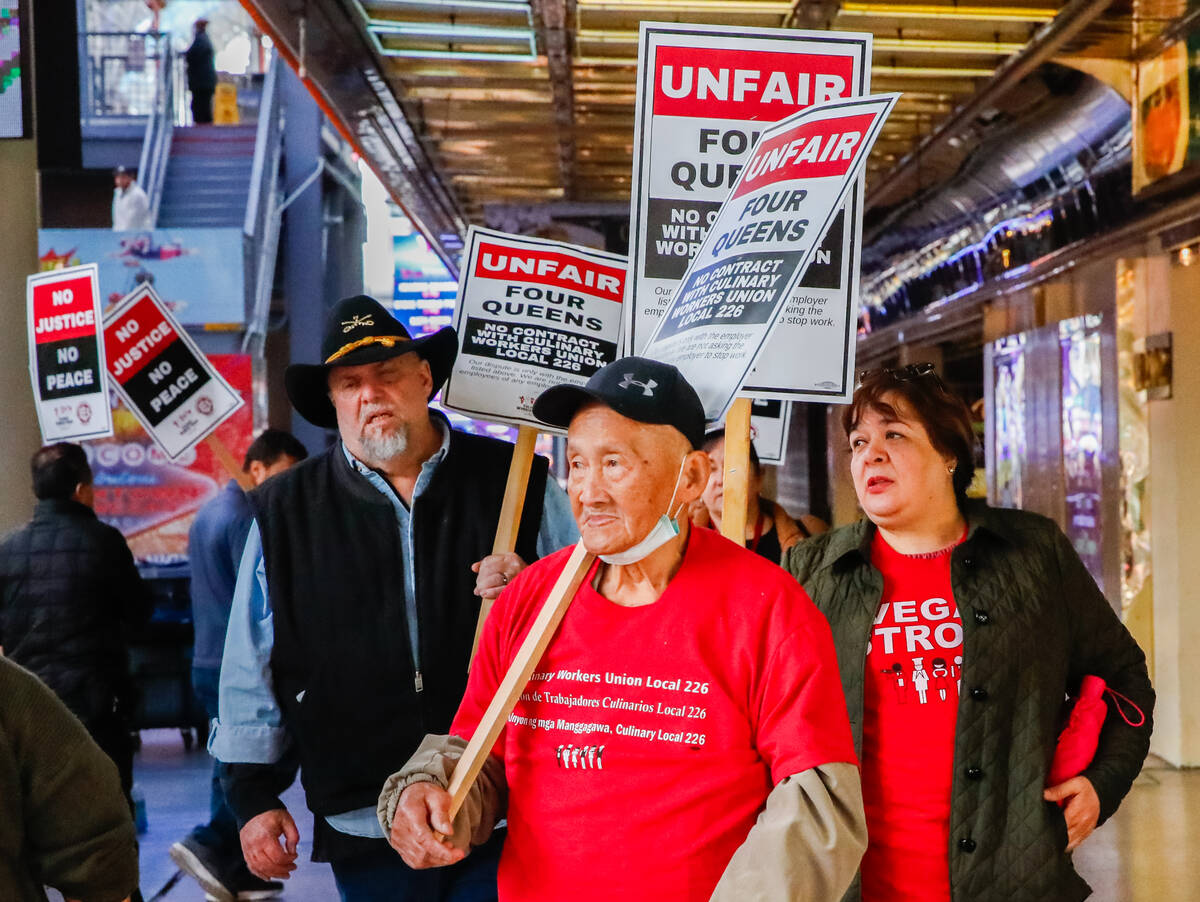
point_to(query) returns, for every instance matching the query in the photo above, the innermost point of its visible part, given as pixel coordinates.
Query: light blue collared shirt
(250, 728)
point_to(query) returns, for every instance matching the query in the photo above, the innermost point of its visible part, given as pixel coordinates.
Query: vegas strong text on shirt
(646, 743)
(910, 712)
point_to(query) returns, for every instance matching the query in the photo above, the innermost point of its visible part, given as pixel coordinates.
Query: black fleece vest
(341, 663)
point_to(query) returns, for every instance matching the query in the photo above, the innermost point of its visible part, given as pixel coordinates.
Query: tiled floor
(1149, 852)
(174, 783)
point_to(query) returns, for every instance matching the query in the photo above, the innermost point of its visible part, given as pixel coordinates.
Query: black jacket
(341, 664)
(69, 592)
(1034, 624)
(201, 64)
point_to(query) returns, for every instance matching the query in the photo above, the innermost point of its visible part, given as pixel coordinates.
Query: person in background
(684, 738)
(770, 530)
(211, 853)
(69, 596)
(973, 624)
(355, 608)
(63, 821)
(201, 73)
(130, 206)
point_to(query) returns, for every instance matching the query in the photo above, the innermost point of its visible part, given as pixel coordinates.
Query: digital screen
(1083, 438)
(423, 300)
(424, 292)
(185, 266)
(12, 73)
(1009, 401)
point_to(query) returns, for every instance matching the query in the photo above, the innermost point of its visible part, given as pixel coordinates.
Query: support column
(1170, 292)
(303, 243)
(19, 437)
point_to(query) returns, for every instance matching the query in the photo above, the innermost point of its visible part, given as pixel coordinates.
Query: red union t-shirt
(910, 710)
(645, 745)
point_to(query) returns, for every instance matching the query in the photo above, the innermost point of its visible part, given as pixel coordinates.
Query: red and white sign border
(92, 272)
(652, 35)
(119, 309)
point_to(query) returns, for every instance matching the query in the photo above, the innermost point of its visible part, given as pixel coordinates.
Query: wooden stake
(513, 684)
(737, 471)
(226, 459)
(510, 512)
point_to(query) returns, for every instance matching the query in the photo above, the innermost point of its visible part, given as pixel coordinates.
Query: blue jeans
(221, 832)
(384, 877)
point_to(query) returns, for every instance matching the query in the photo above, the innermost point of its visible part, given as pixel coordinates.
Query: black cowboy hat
(360, 330)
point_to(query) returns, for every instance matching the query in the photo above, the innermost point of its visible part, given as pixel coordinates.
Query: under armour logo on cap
(641, 389)
(646, 387)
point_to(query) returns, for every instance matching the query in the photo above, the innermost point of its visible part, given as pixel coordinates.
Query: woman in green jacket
(960, 629)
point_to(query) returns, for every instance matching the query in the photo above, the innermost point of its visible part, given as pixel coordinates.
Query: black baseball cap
(644, 390)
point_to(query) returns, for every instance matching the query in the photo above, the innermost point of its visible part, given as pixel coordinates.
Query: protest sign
(66, 345)
(760, 244)
(705, 93)
(531, 314)
(151, 499)
(162, 376)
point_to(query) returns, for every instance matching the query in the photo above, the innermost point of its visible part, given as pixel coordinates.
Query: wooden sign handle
(519, 672)
(226, 459)
(737, 471)
(510, 512)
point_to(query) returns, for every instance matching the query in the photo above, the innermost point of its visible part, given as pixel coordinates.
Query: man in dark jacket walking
(69, 591)
(201, 74)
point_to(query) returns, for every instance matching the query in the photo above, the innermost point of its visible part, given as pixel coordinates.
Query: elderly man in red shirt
(685, 736)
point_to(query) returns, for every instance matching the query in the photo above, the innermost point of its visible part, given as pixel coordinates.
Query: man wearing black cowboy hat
(355, 610)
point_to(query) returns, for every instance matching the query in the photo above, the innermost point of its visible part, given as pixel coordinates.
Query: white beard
(379, 449)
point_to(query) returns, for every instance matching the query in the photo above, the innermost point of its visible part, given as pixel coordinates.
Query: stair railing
(262, 223)
(156, 146)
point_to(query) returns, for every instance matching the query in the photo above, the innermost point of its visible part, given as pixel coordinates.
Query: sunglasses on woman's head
(908, 373)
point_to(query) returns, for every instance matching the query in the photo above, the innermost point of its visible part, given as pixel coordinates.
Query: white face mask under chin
(664, 530)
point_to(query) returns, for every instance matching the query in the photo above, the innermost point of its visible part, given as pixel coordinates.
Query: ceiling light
(965, 48)
(881, 44)
(928, 72)
(518, 6)
(606, 36)
(458, 34)
(520, 42)
(961, 13)
(458, 55)
(772, 7)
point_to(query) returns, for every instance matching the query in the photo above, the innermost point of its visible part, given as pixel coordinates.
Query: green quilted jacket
(1034, 623)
